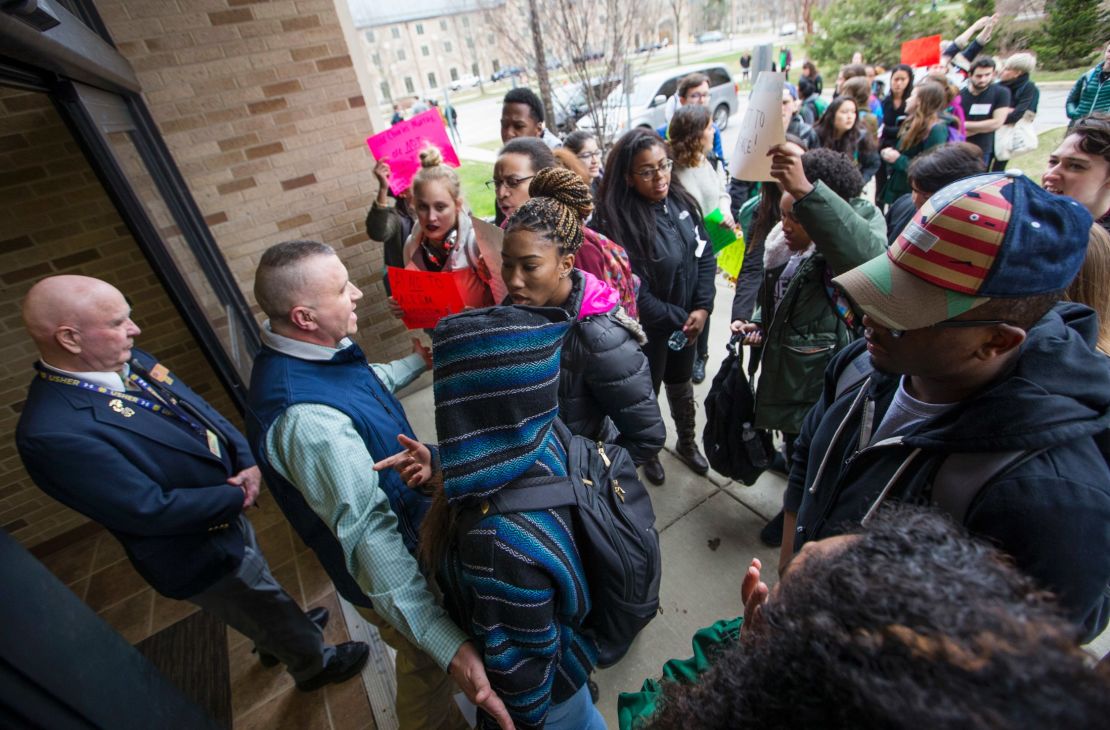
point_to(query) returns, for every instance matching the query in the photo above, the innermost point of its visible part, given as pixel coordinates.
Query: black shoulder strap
(962, 476)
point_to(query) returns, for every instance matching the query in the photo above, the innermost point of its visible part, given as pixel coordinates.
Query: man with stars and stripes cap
(974, 390)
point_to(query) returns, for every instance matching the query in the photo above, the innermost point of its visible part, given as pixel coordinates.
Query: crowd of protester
(932, 355)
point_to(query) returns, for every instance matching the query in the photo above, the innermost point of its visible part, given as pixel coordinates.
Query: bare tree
(540, 55)
(678, 8)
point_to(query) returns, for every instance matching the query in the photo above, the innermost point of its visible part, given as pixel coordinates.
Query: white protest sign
(490, 238)
(760, 131)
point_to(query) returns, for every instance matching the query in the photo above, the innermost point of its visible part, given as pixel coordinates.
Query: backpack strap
(854, 373)
(962, 476)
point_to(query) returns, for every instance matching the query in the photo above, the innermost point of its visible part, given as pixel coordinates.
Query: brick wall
(260, 107)
(58, 220)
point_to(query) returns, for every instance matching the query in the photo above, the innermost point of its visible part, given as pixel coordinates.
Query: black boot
(653, 470)
(681, 398)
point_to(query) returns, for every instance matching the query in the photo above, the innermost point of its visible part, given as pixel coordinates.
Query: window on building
(454, 74)
(395, 32)
(409, 86)
(376, 58)
(419, 29)
(469, 42)
(496, 65)
(425, 51)
(443, 25)
(490, 39)
(432, 80)
(384, 86)
(474, 69)
(369, 36)
(466, 21)
(400, 54)
(447, 47)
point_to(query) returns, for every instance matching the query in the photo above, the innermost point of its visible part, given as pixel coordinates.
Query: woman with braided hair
(517, 163)
(605, 389)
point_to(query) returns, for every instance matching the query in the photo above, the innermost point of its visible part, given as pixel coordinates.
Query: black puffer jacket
(605, 380)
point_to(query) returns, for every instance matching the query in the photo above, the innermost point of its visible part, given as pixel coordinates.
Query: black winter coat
(1051, 513)
(606, 381)
(676, 280)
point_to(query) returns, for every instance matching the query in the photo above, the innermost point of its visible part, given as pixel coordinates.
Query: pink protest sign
(402, 143)
(425, 296)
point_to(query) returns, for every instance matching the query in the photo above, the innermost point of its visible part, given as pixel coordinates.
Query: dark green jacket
(1090, 94)
(802, 335)
(898, 179)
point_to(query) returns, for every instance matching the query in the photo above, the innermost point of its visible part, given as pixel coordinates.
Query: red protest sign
(402, 143)
(922, 51)
(425, 296)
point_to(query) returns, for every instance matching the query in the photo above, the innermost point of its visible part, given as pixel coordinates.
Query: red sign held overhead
(922, 51)
(401, 145)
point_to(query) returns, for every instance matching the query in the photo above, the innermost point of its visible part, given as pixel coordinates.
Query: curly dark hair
(1094, 134)
(912, 624)
(524, 95)
(685, 133)
(560, 202)
(835, 169)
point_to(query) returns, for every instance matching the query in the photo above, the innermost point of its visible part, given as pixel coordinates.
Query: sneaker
(771, 534)
(348, 661)
(699, 370)
(318, 616)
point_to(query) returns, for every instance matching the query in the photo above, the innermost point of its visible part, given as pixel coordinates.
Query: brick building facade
(264, 117)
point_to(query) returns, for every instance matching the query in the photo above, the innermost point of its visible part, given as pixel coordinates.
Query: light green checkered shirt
(319, 451)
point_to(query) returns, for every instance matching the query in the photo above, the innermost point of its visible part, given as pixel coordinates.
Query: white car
(464, 82)
(788, 29)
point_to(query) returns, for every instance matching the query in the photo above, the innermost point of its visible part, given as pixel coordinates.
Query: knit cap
(496, 386)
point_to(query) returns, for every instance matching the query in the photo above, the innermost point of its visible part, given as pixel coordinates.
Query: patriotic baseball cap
(992, 236)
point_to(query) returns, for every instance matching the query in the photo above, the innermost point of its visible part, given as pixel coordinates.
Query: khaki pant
(425, 694)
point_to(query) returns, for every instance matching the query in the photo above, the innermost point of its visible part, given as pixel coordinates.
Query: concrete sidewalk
(709, 532)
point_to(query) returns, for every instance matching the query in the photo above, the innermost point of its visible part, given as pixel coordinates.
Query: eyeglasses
(587, 156)
(512, 183)
(648, 173)
(955, 324)
(699, 96)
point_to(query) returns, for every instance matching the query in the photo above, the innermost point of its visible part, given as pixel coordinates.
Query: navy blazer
(156, 486)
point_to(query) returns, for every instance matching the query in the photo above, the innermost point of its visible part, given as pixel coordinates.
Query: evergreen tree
(1074, 32)
(875, 28)
(973, 10)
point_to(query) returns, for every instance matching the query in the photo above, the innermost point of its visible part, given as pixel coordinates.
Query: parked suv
(651, 99)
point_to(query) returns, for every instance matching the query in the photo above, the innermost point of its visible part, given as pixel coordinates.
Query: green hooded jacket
(802, 335)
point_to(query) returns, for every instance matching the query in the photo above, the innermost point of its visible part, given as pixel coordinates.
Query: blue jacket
(154, 484)
(1050, 512)
(347, 384)
(1089, 95)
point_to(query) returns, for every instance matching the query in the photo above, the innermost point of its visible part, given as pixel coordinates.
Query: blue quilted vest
(345, 383)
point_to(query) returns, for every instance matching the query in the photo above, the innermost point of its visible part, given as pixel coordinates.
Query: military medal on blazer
(164, 402)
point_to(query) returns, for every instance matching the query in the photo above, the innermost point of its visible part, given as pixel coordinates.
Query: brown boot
(681, 398)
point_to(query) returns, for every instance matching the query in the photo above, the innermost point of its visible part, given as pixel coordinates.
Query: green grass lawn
(473, 176)
(1035, 162)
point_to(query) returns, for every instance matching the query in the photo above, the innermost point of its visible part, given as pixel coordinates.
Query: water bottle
(678, 341)
(753, 446)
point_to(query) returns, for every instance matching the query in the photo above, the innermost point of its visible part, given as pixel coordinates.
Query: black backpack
(614, 530)
(733, 446)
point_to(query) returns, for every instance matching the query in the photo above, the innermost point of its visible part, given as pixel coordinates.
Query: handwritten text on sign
(425, 296)
(760, 131)
(402, 144)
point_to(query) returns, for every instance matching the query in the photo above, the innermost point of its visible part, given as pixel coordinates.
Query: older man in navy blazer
(112, 433)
